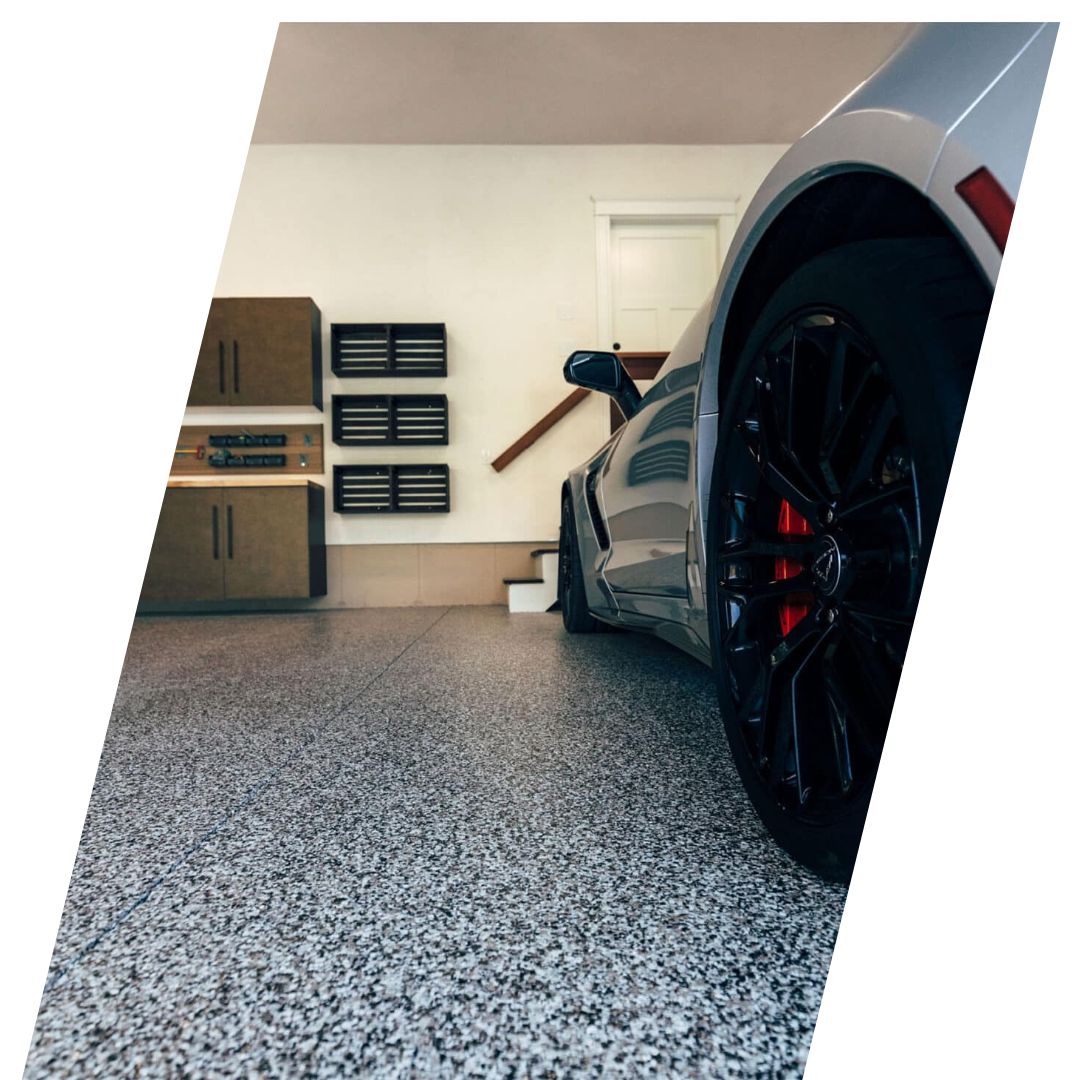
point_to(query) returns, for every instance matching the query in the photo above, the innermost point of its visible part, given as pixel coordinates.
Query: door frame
(606, 212)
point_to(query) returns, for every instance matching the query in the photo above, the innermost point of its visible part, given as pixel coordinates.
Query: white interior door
(660, 274)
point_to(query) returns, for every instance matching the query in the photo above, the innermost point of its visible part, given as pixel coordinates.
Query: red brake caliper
(795, 606)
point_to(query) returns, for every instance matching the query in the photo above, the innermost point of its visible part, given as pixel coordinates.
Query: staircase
(536, 593)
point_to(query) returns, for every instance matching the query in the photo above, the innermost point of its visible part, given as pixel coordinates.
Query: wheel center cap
(825, 566)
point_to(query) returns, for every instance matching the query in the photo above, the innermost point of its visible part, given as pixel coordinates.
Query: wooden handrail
(640, 365)
(540, 428)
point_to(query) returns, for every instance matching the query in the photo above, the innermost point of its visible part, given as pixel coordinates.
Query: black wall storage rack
(248, 440)
(392, 489)
(224, 459)
(383, 350)
(390, 420)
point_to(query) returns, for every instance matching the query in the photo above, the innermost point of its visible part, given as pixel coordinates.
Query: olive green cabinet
(260, 351)
(264, 542)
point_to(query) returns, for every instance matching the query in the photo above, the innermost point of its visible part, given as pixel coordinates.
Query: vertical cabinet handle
(214, 529)
(236, 367)
(228, 530)
(221, 366)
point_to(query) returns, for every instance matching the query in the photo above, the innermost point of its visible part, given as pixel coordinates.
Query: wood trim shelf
(245, 481)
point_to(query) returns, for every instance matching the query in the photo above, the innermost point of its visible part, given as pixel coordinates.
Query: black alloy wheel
(838, 430)
(820, 559)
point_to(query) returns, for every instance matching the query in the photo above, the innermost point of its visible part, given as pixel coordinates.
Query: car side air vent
(678, 413)
(594, 511)
(661, 461)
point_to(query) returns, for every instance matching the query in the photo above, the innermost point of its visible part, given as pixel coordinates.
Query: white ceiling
(562, 83)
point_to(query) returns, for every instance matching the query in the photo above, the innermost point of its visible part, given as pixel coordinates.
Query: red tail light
(989, 202)
(795, 607)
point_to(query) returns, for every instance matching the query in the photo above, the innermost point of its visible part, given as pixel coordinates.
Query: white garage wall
(498, 243)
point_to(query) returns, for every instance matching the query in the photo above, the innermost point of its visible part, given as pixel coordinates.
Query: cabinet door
(267, 543)
(209, 384)
(269, 351)
(187, 557)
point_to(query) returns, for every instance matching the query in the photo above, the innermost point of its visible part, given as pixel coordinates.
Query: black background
(162, 135)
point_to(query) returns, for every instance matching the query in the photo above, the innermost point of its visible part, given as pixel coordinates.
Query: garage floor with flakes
(424, 843)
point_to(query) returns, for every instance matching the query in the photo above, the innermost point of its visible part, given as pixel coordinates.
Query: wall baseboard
(394, 575)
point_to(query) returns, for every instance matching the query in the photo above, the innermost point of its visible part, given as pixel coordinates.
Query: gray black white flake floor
(425, 843)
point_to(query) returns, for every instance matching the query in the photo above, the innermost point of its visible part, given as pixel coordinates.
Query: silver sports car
(771, 502)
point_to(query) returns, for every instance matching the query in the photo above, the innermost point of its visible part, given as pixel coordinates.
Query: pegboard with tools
(256, 450)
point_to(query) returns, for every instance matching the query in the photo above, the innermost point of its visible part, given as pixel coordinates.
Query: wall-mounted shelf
(390, 420)
(388, 350)
(392, 489)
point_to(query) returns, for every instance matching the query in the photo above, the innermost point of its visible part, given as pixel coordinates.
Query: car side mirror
(603, 371)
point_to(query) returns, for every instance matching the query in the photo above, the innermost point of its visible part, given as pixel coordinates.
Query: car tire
(575, 610)
(889, 331)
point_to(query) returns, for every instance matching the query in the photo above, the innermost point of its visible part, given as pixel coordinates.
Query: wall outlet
(566, 311)
(565, 348)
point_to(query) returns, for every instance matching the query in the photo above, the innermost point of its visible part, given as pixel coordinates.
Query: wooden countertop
(244, 481)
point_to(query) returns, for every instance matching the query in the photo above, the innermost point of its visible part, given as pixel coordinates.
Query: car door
(647, 482)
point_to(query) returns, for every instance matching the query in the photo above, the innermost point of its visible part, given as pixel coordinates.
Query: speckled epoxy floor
(425, 843)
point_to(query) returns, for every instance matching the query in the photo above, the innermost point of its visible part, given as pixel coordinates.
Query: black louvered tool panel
(422, 489)
(360, 420)
(398, 420)
(358, 351)
(363, 489)
(420, 420)
(392, 489)
(374, 350)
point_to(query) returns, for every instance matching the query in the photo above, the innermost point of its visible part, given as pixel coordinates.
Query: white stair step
(536, 594)
(531, 596)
